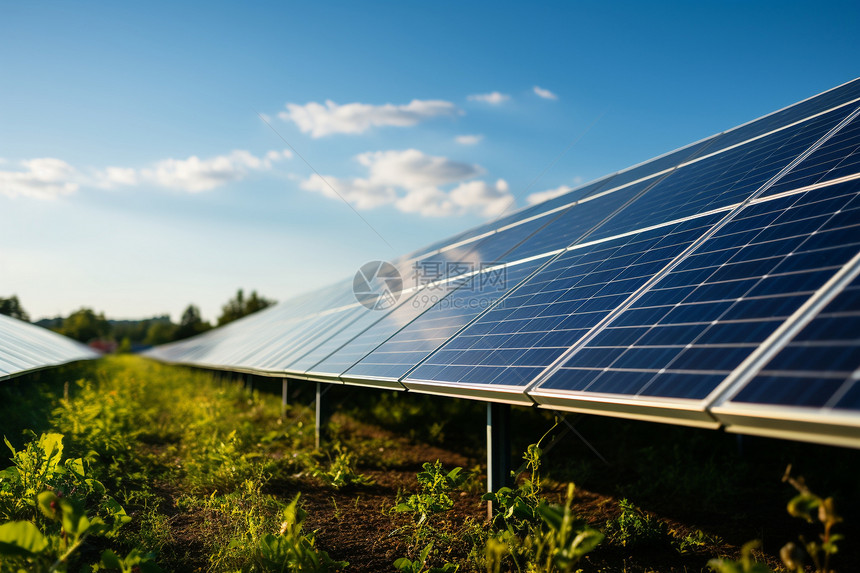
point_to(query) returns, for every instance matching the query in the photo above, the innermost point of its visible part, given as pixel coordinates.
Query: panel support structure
(498, 448)
(283, 397)
(323, 413)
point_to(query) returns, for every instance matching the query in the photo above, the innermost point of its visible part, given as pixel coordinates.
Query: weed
(405, 565)
(292, 550)
(746, 564)
(51, 507)
(436, 484)
(565, 539)
(341, 470)
(635, 528)
(809, 506)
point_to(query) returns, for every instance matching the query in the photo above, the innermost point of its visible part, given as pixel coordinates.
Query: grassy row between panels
(138, 466)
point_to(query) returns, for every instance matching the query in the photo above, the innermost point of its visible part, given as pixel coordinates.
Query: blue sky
(136, 175)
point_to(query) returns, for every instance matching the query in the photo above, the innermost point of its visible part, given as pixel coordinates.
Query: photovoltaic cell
(544, 209)
(820, 367)
(838, 157)
(721, 180)
(526, 331)
(684, 335)
(574, 223)
(25, 347)
(450, 311)
(836, 97)
(366, 337)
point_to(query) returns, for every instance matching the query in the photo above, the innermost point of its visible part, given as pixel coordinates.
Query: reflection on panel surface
(25, 347)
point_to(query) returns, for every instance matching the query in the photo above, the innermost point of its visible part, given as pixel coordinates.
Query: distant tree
(85, 325)
(124, 346)
(12, 307)
(190, 324)
(160, 332)
(136, 330)
(239, 306)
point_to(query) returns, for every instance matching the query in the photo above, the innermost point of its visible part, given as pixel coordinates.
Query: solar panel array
(716, 285)
(25, 347)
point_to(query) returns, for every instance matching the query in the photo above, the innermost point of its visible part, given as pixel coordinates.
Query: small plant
(695, 541)
(809, 506)
(635, 528)
(805, 505)
(341, 470)
(746, 564)
(292, 550)
(42, 490)
(519, 507)
(436, 485)
(565, 539)
(405, 565)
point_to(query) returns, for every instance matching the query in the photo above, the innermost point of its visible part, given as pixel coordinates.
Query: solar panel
(369, 332)
(843, 95)
(686, 334)
(526, 331)
(723, 179)
(451, 307)
(25, 347)
(808, 385)
(668, 290)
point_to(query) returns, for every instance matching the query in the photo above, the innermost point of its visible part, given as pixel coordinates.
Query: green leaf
(110, 560)
(49, 505)
(76, 466)
(587, 540)
(21, 538)
(75, 521)
(804, 506)
(52, 446)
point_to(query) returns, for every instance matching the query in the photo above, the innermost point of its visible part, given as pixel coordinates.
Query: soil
(356, 524)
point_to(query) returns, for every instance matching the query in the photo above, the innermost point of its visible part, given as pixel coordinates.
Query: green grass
(175, 468)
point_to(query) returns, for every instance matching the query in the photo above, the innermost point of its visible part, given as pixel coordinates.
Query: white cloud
(192, 174)
(485, 198)
(468, 139)
(361, 193)
(412, 168)
(47, 178)
(41, 178)
(545, 94)
(325, 119)
(493, 98)
(195, 174)
(414, 182)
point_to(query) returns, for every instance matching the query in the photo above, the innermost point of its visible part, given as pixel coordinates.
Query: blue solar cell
(838, 157)
(661, 163)
(453, 310)
(471, 237)
(531, 327)
(345, 349)
(708, 314)
(720, 180)
(835, 97)
(817, 368)
(574, 224)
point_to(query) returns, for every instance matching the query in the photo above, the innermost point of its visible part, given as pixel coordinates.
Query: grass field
(129, 465)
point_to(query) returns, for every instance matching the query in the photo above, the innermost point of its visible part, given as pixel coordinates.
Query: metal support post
(323, 413)
(498, 449)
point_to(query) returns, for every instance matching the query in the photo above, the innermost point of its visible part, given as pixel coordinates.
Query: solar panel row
(655, 292)
(25, 347)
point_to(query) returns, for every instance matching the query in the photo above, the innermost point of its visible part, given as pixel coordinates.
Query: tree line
(89, 326)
